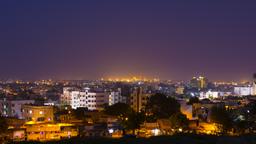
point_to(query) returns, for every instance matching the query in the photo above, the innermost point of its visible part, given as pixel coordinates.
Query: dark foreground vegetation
(177, 139)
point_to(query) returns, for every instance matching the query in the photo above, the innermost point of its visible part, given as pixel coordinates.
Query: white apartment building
(209, 95)
(84, 98)
(243, 91)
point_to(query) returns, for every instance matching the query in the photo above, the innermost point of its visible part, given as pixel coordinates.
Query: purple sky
(90, 39)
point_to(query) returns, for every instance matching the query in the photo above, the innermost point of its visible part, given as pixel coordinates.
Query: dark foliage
(176, 139)
(179, 120)
(193, 100)
(118, 109)
(3, 125)
(222, 117)
(161, 106)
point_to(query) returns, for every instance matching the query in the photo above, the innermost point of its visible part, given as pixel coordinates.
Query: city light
(156, 132)
(128, 72)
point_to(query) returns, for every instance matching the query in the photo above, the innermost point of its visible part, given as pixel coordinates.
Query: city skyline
(89, 40)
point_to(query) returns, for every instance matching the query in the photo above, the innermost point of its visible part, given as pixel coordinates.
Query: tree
(245, 118)
(221, 116)
(118, 109)
(2, 95)
(80, 113)
(3, 125)
(161, 106)
(179, 120)
(241, 126)
(133, 121)
(130, 120)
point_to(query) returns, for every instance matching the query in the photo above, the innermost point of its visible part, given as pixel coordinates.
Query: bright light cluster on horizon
(131, 79)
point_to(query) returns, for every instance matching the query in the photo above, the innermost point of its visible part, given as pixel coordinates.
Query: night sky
(90, 39)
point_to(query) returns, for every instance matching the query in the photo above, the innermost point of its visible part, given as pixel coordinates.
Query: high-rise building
(180, 90)
(199, 82)
(138, 99)
(194, 82)
(254, 85)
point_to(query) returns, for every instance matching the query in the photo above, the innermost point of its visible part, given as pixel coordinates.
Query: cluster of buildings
(93, 100)
(199, 82)
(37, 123)
(202, 88)
(35, 110)
(97, 99)
(12, 107)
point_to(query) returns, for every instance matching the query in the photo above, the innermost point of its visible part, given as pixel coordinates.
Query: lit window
(30, 111)
(41, 112)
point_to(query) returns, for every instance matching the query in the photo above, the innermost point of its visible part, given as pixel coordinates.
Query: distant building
(180, 90)
(254, 85)
(199, 82)
(225, 93)
(202, 110)
(138, 99)
(165, 89)
(243, 91)
(65, 97)
(209, 95)
(116, 97)
(37, 114)
(12, 107)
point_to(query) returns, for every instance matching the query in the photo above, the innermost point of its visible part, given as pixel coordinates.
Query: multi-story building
(254, 85)
(139, 98)
(203, 109)
(12, 107)
(194, 82)
(93, 100)
(47, 132)
(65, 97)
(209, 94)
(116, 97)
(163, 88)
(199, 82)
(37, 114)
(243, 91)
(180, 90)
